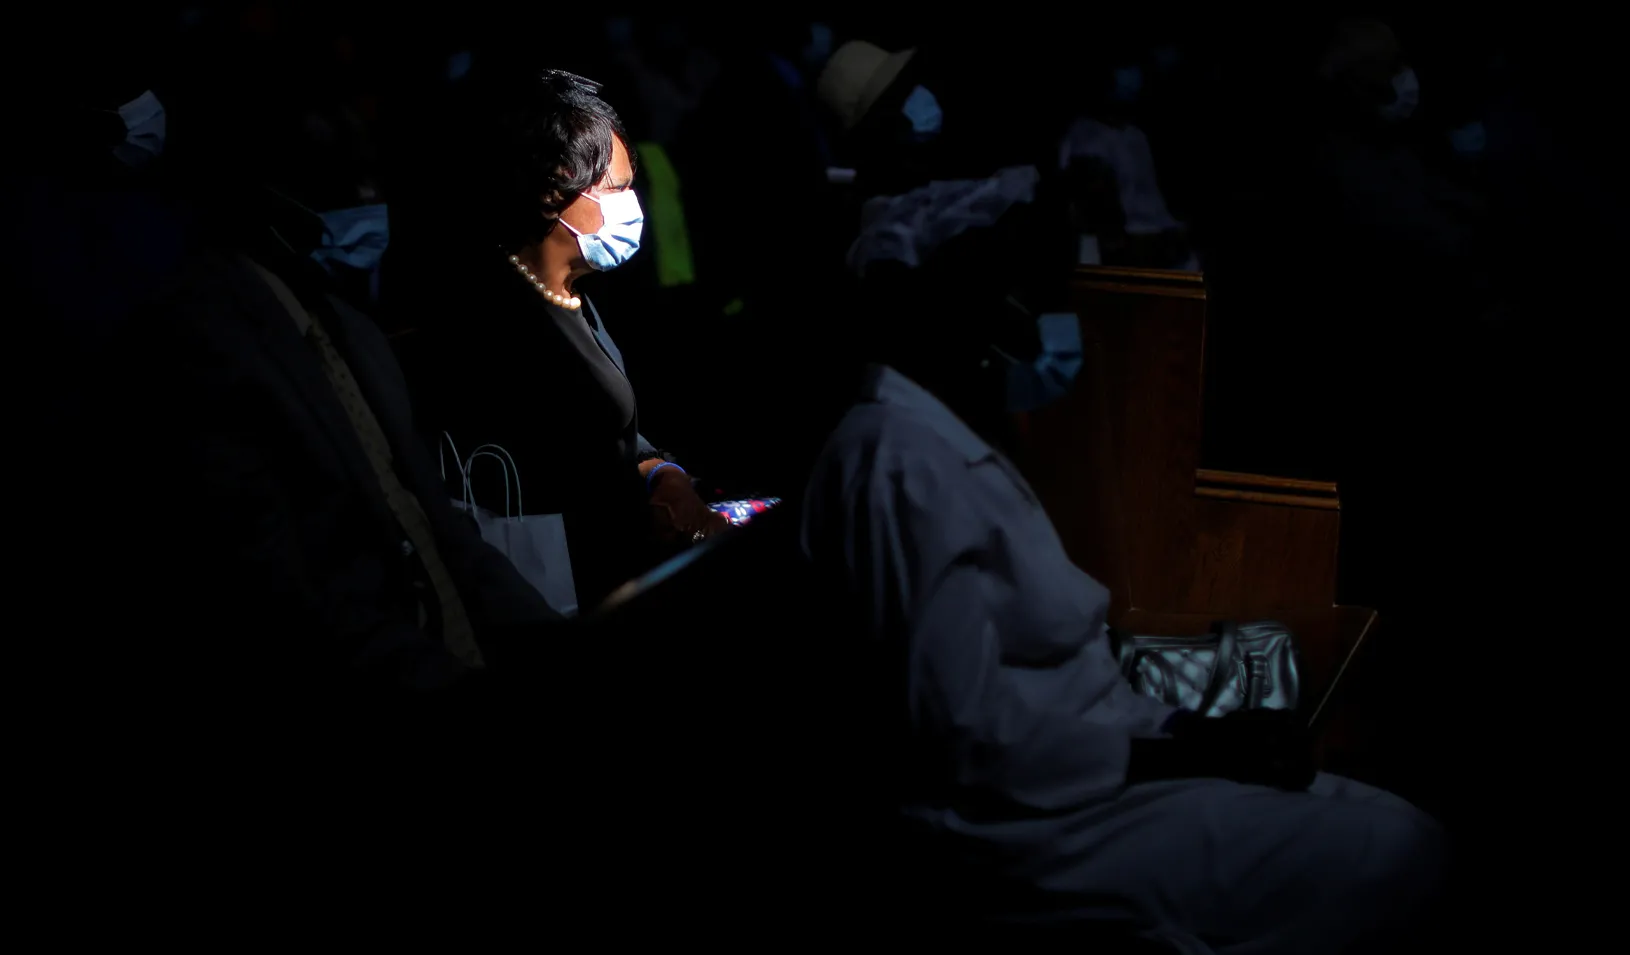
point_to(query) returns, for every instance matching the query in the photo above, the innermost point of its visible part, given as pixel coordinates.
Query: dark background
(1507, 488)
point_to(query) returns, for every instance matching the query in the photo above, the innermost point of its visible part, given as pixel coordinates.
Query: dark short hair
(538, 144)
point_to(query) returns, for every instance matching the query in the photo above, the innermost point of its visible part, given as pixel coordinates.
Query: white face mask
(618, 237)
(144, 130)
(1406, 89)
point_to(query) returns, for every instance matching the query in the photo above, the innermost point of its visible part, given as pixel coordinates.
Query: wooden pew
(1117, 464)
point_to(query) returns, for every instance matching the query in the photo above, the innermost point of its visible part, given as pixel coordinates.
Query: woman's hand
(677, 512)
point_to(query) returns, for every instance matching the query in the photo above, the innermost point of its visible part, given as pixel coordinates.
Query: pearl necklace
(555, 298)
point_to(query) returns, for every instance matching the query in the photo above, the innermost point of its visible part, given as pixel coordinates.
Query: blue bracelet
(651, 475)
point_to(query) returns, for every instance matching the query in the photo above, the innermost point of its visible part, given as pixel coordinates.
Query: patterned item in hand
(740, 512)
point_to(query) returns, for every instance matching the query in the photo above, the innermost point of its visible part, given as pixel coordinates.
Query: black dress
(493, 362)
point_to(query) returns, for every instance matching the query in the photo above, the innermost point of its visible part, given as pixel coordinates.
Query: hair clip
(572, 81)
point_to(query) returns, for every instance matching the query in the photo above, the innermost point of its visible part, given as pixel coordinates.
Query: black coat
(491, 363)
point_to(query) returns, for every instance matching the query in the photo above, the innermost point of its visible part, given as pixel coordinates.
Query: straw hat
(856, 77)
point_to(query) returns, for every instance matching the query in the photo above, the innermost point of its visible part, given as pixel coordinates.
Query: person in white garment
(1038, 784)
(1105, 146)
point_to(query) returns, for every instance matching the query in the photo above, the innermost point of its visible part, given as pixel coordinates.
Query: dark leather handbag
(1246, 666)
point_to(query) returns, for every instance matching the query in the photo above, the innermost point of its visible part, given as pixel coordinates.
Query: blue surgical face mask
(618, 237)
(144, 130)
(1033, 385)
(1470, 140)
(923, 110)
(353, 238)
(1406, 89)
(1128, 84)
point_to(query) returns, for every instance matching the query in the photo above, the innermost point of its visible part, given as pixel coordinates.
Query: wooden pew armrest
(1262, 489)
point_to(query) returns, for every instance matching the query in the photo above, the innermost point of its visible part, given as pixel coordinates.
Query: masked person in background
(537, 196)
(1036, 783)
(317, 533)
(319, 630)
(892, 122)
(1365, 59)
(94, 229)
(1121, 211)
(1408, 250)
(1390, 208)
(355, 218)
(924, 189)
(93, 194)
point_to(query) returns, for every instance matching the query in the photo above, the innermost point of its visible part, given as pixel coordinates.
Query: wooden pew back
(1117, 463)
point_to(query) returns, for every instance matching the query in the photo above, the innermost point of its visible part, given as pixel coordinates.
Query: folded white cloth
(908, 228)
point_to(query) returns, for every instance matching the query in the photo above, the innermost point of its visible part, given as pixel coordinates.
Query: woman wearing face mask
(510, 351)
